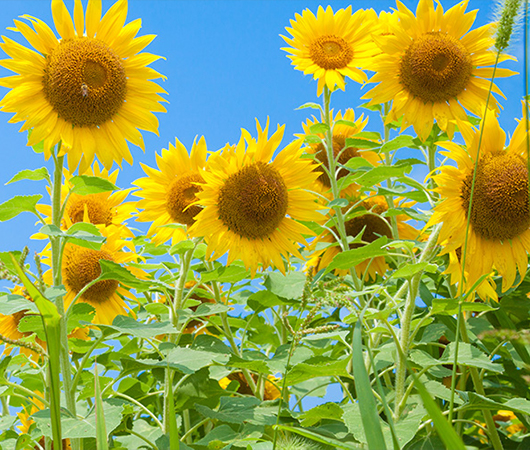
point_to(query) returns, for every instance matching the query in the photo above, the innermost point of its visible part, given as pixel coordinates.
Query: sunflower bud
(508, 12)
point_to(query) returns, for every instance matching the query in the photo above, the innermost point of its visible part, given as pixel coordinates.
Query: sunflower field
(359, 283)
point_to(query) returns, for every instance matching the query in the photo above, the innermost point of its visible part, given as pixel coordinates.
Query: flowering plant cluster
(274, 267)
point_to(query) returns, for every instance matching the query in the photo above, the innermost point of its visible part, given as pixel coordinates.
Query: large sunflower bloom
(105, 209)
(499, 234)
(251, 205)
(168, 193)
(367, 218)
(80, 266)
(331, 46)
(341, 132)
(90, 90)
(432, 67)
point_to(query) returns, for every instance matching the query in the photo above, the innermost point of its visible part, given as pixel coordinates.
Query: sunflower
(80, 266)
(331, 46)
(341, 132)
(168, 193)
(485, 290)
(104, 209)
(432, 67)
(24, 417)
(499, 235)
(367, 217)
(9, 328)
(251, 204)
(270, 389)
(90, 90)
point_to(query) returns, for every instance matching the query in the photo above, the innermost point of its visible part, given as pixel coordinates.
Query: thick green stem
(56, 249)
(404, 337)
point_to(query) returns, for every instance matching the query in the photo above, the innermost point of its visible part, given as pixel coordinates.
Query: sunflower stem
(460, 323)
(405, 337)
(388, 162)
(56, 249)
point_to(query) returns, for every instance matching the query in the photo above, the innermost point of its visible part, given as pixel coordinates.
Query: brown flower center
(180, 195)
(500, 200)
(253, 201)
(331, 52)
(374, 226)
(339, 142)
(436, 67)
(99, 211)
(81, 266)
(84, 81)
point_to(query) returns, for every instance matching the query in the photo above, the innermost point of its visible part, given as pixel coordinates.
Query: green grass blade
(52, 329)
(101, 430)
(369, 416)
(445, 431)
(172, 417)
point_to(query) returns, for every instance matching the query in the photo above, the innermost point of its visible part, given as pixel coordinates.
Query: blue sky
(224, 68)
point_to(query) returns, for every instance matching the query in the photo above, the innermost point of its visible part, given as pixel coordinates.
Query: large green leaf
(350, 258)
(86, 184)
(469, 356)
(18, 204)
(33, 175)
(288, 286)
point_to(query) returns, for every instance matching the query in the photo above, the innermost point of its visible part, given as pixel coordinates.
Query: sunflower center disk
(500, 200)
(374, 227)
(330, 52)
(82, 267)
(253, 201)
(436, 67)
(339, 142)
(98, 209)
(84, 81)
(180, 195)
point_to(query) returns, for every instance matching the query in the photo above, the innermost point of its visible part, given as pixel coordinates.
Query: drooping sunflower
(80, 266)
(252, 204)
(89, 90)
(9, 328)
(499, 234)
(368, 217)
(105, 209)
(433, 68)
(168, 193)
(341, 132)
(331, 46)
(25, 422)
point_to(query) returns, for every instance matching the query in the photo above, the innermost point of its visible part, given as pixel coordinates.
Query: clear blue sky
(224, 67)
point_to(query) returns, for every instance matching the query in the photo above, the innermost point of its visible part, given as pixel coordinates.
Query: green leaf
(312, 139)
(357, 163)
(398, 142)
(369, 417)
(238, 410)
(157, 308)
(469, 356)
(33, 175)
(261, 300)
(85, 427)
(222, 274)
(18, 204)
(80, 311)
(86, 184)
(319, 366)
(381, 173)
(341, 202)
(348, 123)
(112, 271)
(350, 258)
(288, 286)
(318, 128)
(361, 143)
(445, 430)
(319, 438)
(181, 247)
(450, 306)
(127, 325)
(189, 360)
(11, 304)
(309, 105)
(408, 270)
(330, 411)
